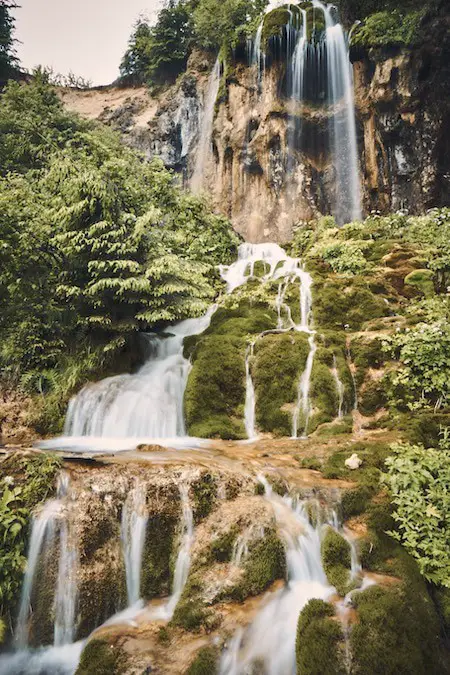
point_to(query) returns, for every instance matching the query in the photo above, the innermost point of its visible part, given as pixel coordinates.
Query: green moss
(367, 352)
(313, 463)
(319, 643)
(442, 600)
(389, 28)
(278, 363)
(397, 632)
(101, 658)
(265, 564)
(205, 662)
(274, 23)
(355, 501)
(158, 547)
(204, 490)
(221, 548)
(100, 597)
(345, 426)
(372, 398)
(315, 23)
(337, 303)
(336, 559)
(190, 612)
(215, 392)
(422, 280)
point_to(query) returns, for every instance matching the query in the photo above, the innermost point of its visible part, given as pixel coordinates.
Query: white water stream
(133, 531)
(271, 637)
(339, 388)
(204, 148)
(250, 401)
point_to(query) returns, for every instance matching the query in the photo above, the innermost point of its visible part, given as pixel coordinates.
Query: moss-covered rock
(278, 364)
(274, 24)
(156, 558)
(215, 392)
(422, 280)
(205, 662)
(336, 559)
(190, 612)
(320, 640)
(339, 303)
(396, 632)
(266, 562)
(99, 657)
(204, 492)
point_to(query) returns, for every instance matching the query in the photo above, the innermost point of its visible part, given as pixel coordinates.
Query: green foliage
(157, 54)
(418, 481)
(222, 22)
(205, 662)
(101, 245)
(319, 641)
(389, 28)
(422, 380)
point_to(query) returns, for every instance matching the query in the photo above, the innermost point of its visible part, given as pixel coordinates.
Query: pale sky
(88, 37)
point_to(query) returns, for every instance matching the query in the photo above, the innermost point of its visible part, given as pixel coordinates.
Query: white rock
(353, 462)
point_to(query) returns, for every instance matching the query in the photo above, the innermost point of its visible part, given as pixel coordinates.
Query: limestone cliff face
(259, 173)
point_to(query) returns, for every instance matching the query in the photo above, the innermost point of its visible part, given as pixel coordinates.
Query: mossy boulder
(338, 303)
(205, 662)
(275, 23)
(336, 559)
(278, 363)
(99, 657)
(204, 493)
(191, 612)
(397, 631)
(315, 23)
(266, 562)
(215, 392)
(320, 641)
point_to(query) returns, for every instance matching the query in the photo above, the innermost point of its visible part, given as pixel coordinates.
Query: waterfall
(203, 154)
(339, 387)
(343, 128)
(303, 402)
(144, 407)
(66, 587)
(258, 58)
(183, 562)
(249, 411)
(42, 524)
(271, 637)
(133, 531)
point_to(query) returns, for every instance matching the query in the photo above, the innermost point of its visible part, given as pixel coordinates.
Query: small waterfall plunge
(204, 148)
(270, 639)
(133, 530)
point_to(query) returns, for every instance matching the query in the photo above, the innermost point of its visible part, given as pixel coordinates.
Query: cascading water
(66, 587)
(204, 153)
(339, 388)
(288, 270)
(249, 410)
(133, 530)
(271, 637)
(120, 412)
(343, 128)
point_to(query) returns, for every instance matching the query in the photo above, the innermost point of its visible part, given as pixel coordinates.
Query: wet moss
(336, 559)
(274, 24)
(221, 548)
(205, 662)
(190, 612)
(278, 364)
(156, 558)
(204, 491)
(265, 564)
(372, 398)
(344, 426)
(99, 657)
(312, 463)
(354, 502)
(422, 280)
(215, 392)
(101, 596)
(319, 643)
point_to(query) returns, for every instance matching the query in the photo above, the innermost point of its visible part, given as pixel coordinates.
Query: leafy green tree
(220, 22)
(8, 59)
(159, 53)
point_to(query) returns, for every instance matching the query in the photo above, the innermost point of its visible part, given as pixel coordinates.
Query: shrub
(389, 28)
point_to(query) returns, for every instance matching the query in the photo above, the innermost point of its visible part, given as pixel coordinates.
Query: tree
(8, 59)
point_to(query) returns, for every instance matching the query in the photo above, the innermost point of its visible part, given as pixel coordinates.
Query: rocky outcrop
(259, 174)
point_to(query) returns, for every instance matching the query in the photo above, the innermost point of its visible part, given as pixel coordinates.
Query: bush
(389, 28)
